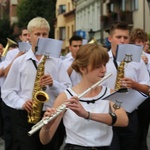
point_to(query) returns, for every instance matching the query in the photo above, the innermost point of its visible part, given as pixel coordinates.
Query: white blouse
(85, 132)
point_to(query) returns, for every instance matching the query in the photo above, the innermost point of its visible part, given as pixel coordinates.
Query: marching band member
(88, 121)
(135, 77)
(19, 84)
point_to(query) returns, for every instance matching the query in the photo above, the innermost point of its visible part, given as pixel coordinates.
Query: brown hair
(92, 54)
(118, 25)
(138, 33)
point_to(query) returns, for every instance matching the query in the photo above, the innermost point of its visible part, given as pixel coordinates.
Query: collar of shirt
(110, 54)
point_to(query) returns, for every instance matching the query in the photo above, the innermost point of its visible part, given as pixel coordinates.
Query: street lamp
(91, 34)
(74, 3)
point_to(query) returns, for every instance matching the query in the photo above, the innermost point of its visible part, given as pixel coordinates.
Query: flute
(62, 108)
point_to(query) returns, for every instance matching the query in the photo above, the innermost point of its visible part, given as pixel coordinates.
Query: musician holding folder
(88, 120)
(135, 77)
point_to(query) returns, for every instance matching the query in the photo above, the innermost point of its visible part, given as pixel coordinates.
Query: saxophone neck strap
(34, 63)
(115, 62)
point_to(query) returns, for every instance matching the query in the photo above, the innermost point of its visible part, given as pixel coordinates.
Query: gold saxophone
(120, 71)
(39, 97)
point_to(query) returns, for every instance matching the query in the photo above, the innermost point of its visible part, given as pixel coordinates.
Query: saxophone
(120, 71)
(39, 97)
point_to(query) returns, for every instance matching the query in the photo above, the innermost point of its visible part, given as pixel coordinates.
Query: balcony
(108, 20)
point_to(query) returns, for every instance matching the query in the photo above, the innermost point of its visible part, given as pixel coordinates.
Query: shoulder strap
(34, 63)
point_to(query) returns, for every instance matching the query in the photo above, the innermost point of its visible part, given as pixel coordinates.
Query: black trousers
(124, 138)
(78, 147)
(10, 139)
(32, 142)
(144, 122)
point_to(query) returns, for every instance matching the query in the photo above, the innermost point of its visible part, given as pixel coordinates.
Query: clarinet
(62, 108)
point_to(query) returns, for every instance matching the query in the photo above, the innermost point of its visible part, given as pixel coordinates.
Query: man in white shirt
(7, 112)
(136, 77)
(140, 37)
(18, 93)
(74, 44)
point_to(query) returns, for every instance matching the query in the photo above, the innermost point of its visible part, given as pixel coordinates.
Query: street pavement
(148, 141)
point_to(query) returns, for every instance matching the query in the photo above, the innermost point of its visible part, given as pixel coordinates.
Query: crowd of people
(87, 122)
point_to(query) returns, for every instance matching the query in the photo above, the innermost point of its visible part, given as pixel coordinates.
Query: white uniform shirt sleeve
(11, 87)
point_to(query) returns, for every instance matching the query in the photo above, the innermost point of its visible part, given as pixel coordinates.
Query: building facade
(65, 21)
(83, 16)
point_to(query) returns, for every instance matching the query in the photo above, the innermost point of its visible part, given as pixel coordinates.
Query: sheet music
(24, 46)
(130, 49)
(129, 99)
(51, 46)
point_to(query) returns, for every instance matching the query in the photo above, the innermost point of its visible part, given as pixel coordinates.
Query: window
(62, 9)
(134, 4)
(62, 33)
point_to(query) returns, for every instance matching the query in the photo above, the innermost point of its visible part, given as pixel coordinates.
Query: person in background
(8, 113)
(17, 93)
(88, 120)
(135, 77)
(147, 47)
(12, 46)
(140, 37)
(74, 44)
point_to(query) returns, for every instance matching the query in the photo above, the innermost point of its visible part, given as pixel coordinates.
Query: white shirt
(134, 70)
(19, 83)
(74, 77)
(148, 64)
(11, 54)
(85, 132)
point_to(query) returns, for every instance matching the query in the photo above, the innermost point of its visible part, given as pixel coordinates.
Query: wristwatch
(114, 117)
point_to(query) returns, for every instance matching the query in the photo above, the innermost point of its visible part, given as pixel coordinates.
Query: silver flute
(62, 108)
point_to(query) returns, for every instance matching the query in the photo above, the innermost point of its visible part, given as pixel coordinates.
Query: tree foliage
(28, 9)
(4, 30)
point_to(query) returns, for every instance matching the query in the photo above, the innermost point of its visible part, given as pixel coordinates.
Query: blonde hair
(38, 22)
(90, 54)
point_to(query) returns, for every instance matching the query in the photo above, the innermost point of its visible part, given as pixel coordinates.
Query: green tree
(4, 30)
(28, 9)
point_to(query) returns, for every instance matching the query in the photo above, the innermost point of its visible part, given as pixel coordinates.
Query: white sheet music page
(24, 46)
(51, 46)
(131, 50)
(129, 99)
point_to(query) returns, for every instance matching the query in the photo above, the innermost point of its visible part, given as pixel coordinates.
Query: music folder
(129, 99)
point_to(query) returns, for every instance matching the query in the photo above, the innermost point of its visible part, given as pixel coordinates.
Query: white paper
(24, 46)
(129, 100)
(49, 46)
(129, 49)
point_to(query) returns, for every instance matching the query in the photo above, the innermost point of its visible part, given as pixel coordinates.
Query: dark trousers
(8, 115)
(124, 138)
(144, 121)
(32, 142)
(78, 147)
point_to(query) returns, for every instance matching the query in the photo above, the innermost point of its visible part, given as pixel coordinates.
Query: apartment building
(100, 14)
(97, 16)
(65, 21)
